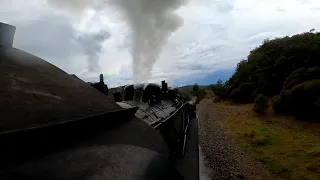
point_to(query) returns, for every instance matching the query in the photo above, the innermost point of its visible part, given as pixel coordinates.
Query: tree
(195, 87)
(260, 104)
(286, 68)
(219, 82)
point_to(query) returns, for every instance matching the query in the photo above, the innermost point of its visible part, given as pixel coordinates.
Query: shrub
(236, 95)
(195, 87)
(302, 101)
(201, 94)
(260, 141)
(217, 99)
(301, 75)
(260, 104)
(243, 93)
(282, 103)
(276, 104)
(221, 91)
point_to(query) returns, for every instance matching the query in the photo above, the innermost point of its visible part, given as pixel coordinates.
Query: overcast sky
(215, 35)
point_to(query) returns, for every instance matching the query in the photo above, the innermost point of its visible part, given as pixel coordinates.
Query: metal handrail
(142, 110)
(162, 121)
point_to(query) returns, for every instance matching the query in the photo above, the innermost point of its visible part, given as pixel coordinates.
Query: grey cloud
(127, 43)
(53, 38)
(280, 9)
(195, 66)
(201, 53)
(224, 5)
(212, 49)
(73, 5)
(315, 8)
(49, 36)
(92, 44)
(304, 1)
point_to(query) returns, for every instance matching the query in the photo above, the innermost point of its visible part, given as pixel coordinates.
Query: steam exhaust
(151, 22)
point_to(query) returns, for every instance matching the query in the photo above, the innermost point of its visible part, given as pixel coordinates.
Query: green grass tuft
(290, 153)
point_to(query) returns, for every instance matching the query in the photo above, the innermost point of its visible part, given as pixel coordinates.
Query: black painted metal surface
(34, 92)
(55, 126)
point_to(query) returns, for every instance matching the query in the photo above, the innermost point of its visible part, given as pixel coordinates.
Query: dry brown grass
(289, 147)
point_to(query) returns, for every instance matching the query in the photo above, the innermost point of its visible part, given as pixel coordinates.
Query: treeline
(285, 70)
(195, 93)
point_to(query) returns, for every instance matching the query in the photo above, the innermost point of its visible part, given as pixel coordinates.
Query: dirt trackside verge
(222, 154)
(288, 147)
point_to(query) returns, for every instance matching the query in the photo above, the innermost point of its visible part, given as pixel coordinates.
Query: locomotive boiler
(54, 126)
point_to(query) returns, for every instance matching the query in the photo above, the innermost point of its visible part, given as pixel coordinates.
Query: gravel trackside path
(221, 155)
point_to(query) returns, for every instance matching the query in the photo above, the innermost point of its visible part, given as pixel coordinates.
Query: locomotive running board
(24, 144)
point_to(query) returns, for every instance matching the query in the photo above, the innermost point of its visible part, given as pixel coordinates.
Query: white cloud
(216, 35)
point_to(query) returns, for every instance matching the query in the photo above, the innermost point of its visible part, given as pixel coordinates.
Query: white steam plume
(75, 6)
(151, 22)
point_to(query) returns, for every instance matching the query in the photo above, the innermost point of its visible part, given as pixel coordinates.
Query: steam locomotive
(55, 126)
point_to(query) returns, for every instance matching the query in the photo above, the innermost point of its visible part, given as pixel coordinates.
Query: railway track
(201, 106)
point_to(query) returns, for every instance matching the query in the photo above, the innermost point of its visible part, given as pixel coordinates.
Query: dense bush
(236, 95)
(201, 94)
(243, 93)
(195, 88)
(260, 104)
(219, 89)
(301, 75)
(198, 93)
(302, 100)
(270, 64)
(282, 102)
(287, 69)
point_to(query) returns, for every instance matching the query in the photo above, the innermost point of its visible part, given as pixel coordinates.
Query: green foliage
(302, 101)
(305, 98)
(287, 69)
(243, 93)
(301, 75)
(269, 65)
(219, 89)
(195, 87)
(260, 104)
(201, 94)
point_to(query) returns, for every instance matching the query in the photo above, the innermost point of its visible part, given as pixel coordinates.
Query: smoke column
(151, 22)
(75, 6)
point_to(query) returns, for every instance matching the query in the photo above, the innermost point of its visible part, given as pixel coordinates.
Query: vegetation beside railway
(289, 147)
(271, 104)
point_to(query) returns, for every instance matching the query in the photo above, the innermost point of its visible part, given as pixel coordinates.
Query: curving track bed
(216, 145)
(224, 158)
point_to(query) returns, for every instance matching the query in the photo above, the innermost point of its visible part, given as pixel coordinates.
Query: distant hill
(212, 78)
(207, 79)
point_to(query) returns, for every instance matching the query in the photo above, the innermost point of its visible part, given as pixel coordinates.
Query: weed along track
(222, 155)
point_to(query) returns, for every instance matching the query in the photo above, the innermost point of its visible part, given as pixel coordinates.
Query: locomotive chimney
(6, 35)
(164, 87)
(101, 79)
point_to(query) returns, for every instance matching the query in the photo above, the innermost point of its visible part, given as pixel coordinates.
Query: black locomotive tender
(54, 126)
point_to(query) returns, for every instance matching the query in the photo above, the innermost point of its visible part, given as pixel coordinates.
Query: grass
(290, 153)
